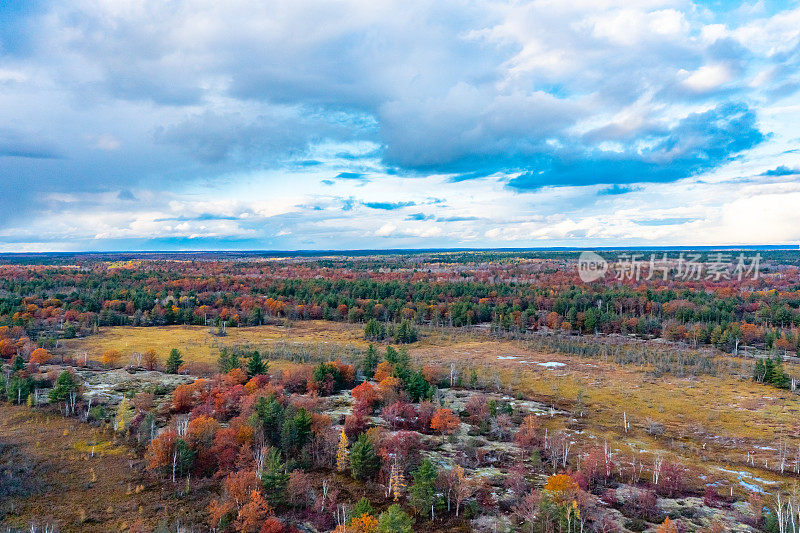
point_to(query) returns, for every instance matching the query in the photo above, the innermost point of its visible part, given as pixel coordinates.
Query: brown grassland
(83, 480)
(712, 421)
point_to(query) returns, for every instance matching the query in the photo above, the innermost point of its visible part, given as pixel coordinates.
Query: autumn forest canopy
(395, 392)
(513, 292)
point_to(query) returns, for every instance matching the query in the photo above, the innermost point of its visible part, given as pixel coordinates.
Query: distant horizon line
(389, 251)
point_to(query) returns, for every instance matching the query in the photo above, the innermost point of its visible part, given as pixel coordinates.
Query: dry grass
(198, 344)
(81, 491)
(705, 418)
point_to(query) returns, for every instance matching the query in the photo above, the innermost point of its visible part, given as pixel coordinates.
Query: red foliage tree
(366, 396)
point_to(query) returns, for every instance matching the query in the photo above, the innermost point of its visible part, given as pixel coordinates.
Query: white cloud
(228, 135)
(707, 77)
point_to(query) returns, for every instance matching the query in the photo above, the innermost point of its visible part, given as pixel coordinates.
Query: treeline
(52, 302)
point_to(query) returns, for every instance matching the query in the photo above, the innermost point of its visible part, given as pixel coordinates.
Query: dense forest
(69, 296)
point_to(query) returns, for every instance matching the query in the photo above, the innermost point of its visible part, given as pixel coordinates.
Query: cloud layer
(199, 124)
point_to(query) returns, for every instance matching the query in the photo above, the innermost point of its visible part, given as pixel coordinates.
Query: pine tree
(394, 520)
(374, 330)
(423, 491)
(224, 361)
(256, 365)
(274, 478)
(362, 507)
(342, 453)
(296, 432)
(759, 371)
(174, 361)
(769, 370)
(65, 384)
(406, 333)
(780, 378)
(269, 412)
(364, 463)
(370, 362)
(417, 386)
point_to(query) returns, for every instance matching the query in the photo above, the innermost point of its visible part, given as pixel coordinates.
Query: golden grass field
(707, 418)
(78, 490)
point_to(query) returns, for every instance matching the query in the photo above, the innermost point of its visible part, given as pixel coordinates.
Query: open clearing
(717, 419)
(75, 489)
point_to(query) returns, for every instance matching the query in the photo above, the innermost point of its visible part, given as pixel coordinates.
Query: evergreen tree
(423, 491)
(296, 432)
(66, 384)
(19, 364)
(374, 330)
(370, 362)
(19, 387)
(257, 317)
(269, 415)
(769, 370)
(591, 320)
(394, 520)
(361, 508)
(406, 333)
(184, 457)
(780, 378)
(174, 361)
(256, 366)
(759, 371)
(364, 463)
(274, 478)
(224, 361)
(417, 387)
(402, 364)
(391, 355)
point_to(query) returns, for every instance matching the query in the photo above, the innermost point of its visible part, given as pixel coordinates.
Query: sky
(373, 124)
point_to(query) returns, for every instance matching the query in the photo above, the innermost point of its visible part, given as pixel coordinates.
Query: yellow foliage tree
(342, 453)
(124, 415)
(397, 481)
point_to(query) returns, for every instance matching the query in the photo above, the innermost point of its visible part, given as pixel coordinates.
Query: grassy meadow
(709, 419)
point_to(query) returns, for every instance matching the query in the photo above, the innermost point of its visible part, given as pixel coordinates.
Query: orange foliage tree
(159, 452)
(445, 421)
(40, 356)
(253, 514)
(383, 371)
(668, 526)
(562, 487)
(111, 358)
(150, 359)
(365, 396)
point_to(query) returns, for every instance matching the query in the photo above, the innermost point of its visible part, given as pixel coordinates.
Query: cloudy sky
(197, 124)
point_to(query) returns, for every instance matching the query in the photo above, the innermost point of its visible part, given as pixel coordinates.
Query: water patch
(748, 480)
